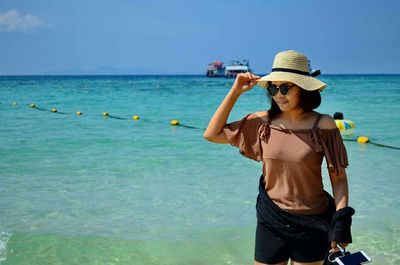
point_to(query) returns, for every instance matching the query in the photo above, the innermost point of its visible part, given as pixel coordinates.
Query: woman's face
(291, 100)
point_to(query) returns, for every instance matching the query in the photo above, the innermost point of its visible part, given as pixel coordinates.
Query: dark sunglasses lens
(284, 89)
(273, 90)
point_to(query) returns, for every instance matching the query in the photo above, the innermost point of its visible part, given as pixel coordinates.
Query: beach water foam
(4, 237)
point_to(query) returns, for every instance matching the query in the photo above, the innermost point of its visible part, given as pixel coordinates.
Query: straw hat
(294, 67)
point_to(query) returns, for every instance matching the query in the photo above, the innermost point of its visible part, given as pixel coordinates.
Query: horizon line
(54, 75)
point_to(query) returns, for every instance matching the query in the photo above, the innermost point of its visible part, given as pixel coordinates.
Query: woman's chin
(284, 108)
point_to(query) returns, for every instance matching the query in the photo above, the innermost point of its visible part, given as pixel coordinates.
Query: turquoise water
(95, 190)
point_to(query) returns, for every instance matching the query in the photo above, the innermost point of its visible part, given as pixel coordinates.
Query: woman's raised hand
(245, 82)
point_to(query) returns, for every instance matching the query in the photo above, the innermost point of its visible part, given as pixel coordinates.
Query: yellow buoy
(174, 122)
(362, 139)
(135, 118)
(54, 110)
(79, 113)
(32, 105)
(105, 114)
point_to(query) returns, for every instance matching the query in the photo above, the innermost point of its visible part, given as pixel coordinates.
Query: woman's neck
(294, 115)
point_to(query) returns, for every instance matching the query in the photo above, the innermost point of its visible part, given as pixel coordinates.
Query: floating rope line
(366, 140)
(360, 139)
(54, 110)
(384, 145)
(33, 106)
(191, 127)
(117, 118)
(59, 112)
(106, 114)
(177, 123)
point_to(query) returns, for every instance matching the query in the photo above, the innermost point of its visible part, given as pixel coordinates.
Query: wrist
(235, 91)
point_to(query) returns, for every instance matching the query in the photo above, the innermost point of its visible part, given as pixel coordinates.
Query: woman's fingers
(334, 246)
(252, 76)
(249, 76)
(246, 81)
(344, 245)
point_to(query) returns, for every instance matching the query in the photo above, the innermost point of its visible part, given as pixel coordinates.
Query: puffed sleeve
(244, 134)
(334, 150)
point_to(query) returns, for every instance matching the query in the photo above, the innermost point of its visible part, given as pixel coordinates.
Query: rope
(177, 123)
(377, 144)
(117, 118)
(384, 145)
(190, 127)
(40, 109)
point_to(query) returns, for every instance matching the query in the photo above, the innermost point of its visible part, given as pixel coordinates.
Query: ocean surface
(92, 189)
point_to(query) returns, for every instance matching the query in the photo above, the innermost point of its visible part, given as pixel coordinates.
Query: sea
(109, 189)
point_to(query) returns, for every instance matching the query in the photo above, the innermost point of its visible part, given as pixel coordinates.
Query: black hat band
(313, 74)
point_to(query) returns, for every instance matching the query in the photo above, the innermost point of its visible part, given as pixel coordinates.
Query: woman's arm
(339, 184)
(340, 190)
(243, 83)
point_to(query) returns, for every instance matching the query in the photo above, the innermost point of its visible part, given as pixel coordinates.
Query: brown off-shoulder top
(292, 160)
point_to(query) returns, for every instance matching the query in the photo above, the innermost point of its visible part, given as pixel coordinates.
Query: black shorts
(273, 247)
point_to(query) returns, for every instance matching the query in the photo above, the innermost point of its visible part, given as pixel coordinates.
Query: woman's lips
(281, 102)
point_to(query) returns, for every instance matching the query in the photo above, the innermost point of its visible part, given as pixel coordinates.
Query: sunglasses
(284, 89)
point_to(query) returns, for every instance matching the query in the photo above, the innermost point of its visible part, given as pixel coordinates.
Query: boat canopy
(236, 67)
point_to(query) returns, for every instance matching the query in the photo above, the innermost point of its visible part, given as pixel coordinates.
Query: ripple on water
(4, 237)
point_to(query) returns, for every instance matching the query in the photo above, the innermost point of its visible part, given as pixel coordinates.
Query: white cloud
(13, 21)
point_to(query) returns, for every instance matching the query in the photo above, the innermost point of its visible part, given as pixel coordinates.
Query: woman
(296, 218)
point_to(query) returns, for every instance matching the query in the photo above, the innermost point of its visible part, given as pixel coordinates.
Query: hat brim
(304, 81)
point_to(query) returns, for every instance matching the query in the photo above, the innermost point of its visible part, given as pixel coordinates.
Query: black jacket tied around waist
(335, 224)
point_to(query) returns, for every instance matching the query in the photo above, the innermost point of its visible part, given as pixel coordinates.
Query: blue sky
(175, 37)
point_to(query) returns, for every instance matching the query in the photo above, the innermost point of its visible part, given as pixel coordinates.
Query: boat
(236, 67)
(216, 69)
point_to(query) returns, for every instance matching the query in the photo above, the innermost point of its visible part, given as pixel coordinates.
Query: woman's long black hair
(309, 100)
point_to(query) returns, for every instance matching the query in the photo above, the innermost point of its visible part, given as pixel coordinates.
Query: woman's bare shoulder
(262, 114)
(326, 122)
